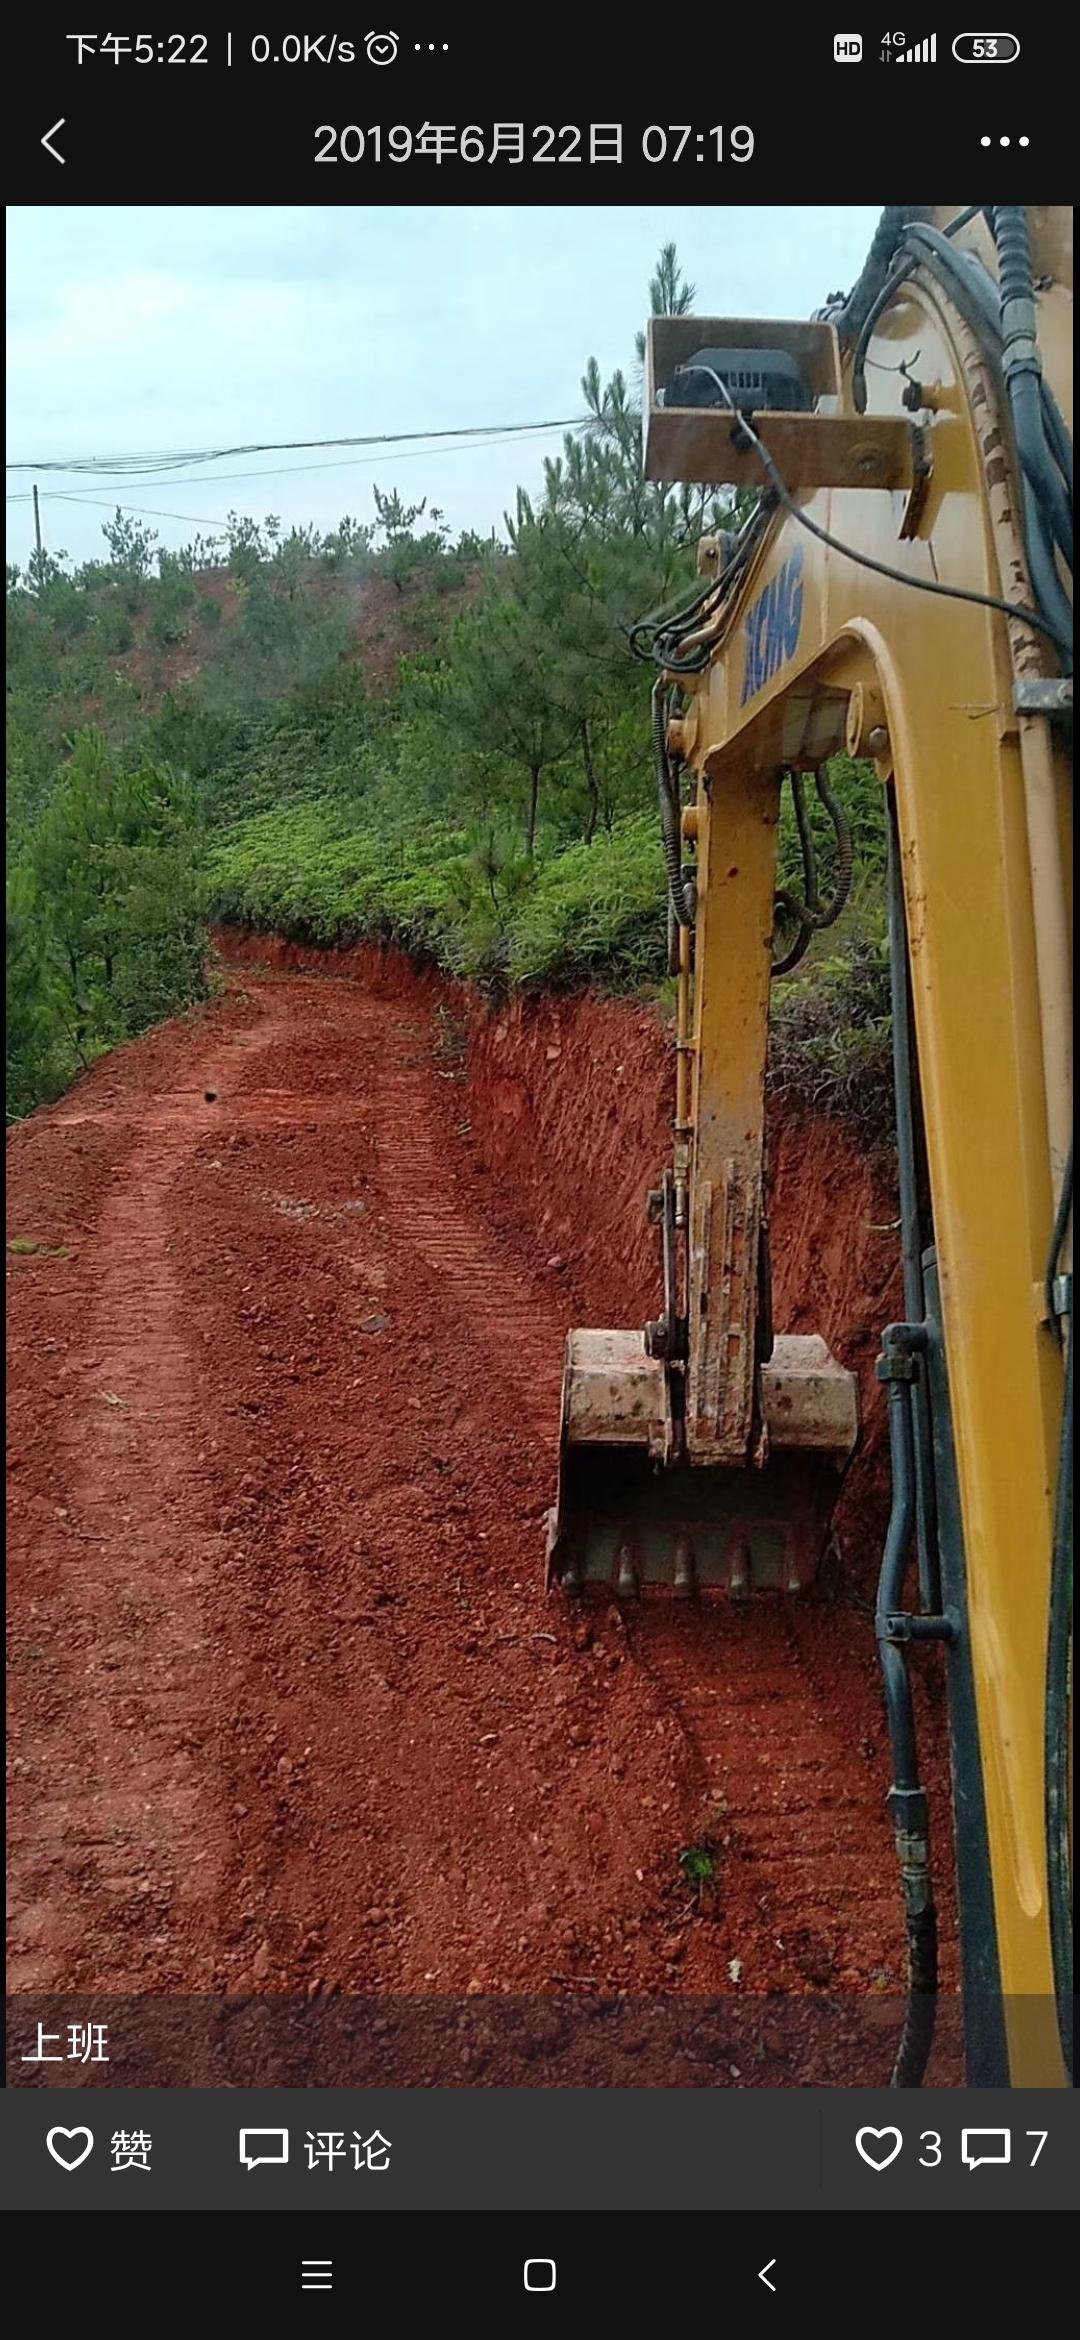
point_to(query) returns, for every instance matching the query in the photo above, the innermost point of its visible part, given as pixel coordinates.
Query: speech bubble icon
(269, 2147)
(992, 2147)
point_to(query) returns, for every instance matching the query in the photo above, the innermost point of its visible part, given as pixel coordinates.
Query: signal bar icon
(922, 52)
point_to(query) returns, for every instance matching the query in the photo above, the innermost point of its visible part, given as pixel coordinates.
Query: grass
(586, 913)
(24, 1247)
(830, 1034)
(698, 1865)
(580, 915)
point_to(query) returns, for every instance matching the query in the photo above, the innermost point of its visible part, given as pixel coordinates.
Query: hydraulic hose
(1046, 490)
(1058, 1670)
(1022, 368)
(845, 854)
(890, 227)
(670, 823)
(978, 298)
(809, 915)
(1050, 595)
(812, 902)
(1059, 1646)
(897, 1366)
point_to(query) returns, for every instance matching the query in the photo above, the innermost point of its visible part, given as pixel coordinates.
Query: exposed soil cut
(290, 1709)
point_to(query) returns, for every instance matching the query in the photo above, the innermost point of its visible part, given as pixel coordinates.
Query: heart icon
(70, 2159)
(887, 2141)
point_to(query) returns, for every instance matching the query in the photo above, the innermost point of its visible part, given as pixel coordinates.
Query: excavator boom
(901, 590)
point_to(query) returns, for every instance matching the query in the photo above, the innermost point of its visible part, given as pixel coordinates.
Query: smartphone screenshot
(539, 1140)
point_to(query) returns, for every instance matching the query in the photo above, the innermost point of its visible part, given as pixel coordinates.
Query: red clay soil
(290, 1710)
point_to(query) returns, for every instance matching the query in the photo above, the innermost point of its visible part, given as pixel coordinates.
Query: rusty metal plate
(613, 1394)
(807, 1399)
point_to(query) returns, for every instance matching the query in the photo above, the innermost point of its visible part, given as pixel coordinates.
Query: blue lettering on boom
(771, 633)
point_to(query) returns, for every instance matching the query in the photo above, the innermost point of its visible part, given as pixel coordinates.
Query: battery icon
(986, 48)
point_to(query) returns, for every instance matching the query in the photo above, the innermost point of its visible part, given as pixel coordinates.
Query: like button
(70, 2147)
(878, 2146)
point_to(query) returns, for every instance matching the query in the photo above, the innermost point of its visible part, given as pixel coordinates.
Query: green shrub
(830, 1037)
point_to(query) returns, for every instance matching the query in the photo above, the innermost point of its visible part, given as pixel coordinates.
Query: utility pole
(37, 533)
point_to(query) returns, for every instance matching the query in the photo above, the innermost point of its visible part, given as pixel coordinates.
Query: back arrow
(763, 2275)
(51, 134)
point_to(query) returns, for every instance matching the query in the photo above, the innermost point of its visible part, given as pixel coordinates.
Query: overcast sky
(163, 329)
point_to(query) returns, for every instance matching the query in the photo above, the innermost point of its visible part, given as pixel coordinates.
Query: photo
(539, 1143)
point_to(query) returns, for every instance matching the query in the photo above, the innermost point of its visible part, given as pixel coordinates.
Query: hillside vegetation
(379, 733)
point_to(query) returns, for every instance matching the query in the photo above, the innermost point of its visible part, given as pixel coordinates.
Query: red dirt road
(290, 1710)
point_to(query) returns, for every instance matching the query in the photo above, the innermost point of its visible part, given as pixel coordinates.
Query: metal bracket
(901, 1627)
(1052, 696)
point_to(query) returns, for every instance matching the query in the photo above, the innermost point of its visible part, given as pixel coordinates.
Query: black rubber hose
(1057, 433)
(788, 901)
(889, 289)
(890, 1595)
(1022, 369)
(974, 289)
(670, 824)
(1040, 431)
(920, 2020)
(1050, 595)
(976, 296)
(1058, 1669)
(667, 619)
(907, 1798)
(845, 853)
(890, 227)
(1038, 465)
(669, 635)
(811, 901)
(912, 1237)
(809, 913)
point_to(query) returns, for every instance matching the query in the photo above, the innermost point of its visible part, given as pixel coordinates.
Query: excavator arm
(902, 589)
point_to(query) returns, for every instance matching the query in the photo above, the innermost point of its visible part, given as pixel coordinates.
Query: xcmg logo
(772, 625)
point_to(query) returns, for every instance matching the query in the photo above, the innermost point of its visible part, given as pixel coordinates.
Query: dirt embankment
(290, 1710)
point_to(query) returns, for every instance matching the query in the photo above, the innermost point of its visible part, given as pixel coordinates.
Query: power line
(294, 470)
(139, 466)
(107, 504)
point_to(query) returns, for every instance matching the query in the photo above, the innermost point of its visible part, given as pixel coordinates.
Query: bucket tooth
(684, 1583)
(627, 1572)
(740, 1570)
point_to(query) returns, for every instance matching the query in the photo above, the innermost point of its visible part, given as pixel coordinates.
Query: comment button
(264, 2148)
(985, 2148)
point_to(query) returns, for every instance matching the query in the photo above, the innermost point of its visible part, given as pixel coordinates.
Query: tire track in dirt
(782, 1788)
(125, 1851)
(523, 1340)
(381, 1822)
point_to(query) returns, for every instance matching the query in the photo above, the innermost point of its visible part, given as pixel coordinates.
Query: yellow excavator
(901, 588)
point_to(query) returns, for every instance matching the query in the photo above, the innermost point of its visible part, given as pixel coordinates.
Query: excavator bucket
(632, 1513)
